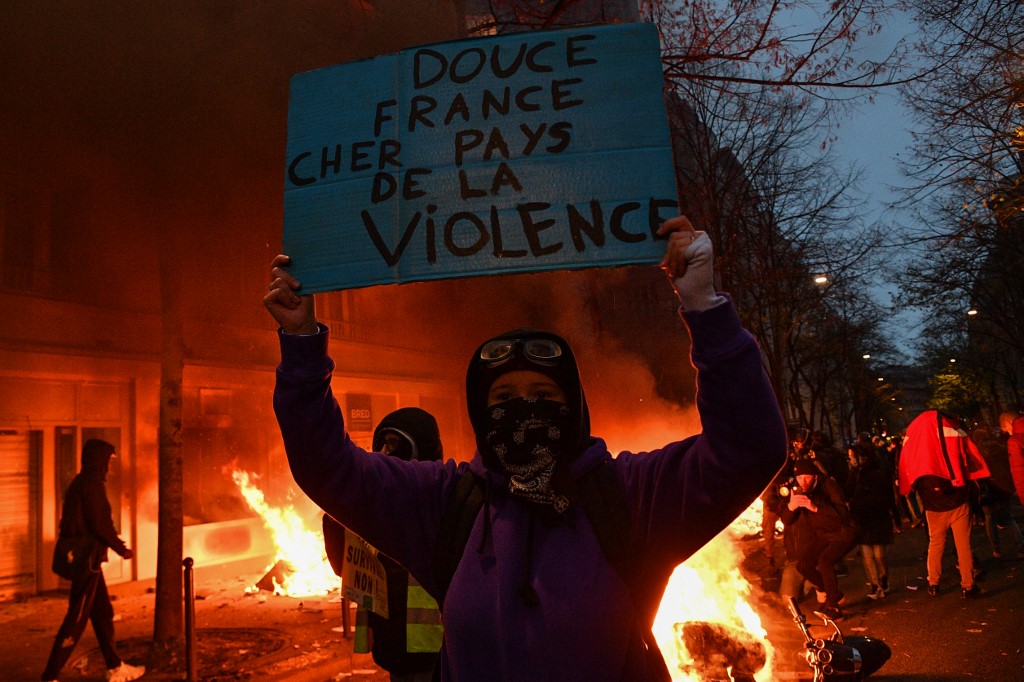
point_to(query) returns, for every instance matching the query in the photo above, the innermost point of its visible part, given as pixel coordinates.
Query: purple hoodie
(586, 626)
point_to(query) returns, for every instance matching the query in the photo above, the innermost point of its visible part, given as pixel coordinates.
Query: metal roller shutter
(18, 533)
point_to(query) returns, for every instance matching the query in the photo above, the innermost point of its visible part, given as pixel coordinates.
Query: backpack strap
(942, 444)
(604, 501)
(457, 521)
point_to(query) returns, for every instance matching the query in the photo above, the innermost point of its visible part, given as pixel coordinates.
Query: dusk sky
(876, 137)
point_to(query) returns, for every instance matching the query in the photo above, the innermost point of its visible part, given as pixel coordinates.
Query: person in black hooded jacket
(87, 511)
(818, 515)
(406, 642)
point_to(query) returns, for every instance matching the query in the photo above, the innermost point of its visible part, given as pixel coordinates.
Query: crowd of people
(834, 505)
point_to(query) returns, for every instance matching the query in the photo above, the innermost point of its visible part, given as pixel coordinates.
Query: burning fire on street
(705, 627)
(300, 567)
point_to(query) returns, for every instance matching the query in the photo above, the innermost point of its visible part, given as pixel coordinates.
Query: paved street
(261, 637)
(939, 639)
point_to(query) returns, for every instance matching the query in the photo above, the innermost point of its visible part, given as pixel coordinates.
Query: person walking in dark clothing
(87, 512)
(873, 506)
(824, 531)
(406, 642)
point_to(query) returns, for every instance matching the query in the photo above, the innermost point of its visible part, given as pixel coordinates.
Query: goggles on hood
(541, 351)
(391, 441)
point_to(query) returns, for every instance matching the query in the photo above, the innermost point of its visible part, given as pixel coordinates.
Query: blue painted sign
(525, 152)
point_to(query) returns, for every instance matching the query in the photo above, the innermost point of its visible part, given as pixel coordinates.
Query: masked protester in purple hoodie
(534, 596)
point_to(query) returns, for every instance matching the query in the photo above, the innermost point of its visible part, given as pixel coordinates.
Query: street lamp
(866, 356)
(821, 280)
(972, 312)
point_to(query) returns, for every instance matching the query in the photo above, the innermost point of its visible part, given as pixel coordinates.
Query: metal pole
(190, 620)
(345, 633)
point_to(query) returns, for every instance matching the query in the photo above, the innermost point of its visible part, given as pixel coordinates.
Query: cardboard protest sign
(363, 579)
(517, 153)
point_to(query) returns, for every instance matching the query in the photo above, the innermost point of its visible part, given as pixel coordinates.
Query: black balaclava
(421, 439)
(96, 456)
(492, 425)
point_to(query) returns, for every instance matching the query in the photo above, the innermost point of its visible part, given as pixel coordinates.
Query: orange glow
(298, 547)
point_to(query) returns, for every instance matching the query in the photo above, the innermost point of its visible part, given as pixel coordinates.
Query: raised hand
(295, 313)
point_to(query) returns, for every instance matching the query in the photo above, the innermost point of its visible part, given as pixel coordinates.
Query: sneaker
(876, 592)
(832, 613)
(125, 673)
(933, 590)
(970, 593)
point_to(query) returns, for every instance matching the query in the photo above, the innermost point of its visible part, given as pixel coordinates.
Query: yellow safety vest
(423, 629)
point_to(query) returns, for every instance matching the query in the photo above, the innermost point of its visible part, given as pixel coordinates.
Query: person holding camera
(823, 530)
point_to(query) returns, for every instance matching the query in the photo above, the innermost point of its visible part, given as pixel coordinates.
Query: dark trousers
(89, 602)
(817, 557)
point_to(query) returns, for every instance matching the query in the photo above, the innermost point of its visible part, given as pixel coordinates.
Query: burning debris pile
(720, 652)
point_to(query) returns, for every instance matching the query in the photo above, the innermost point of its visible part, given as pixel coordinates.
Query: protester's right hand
(128, 554)
(294, 313)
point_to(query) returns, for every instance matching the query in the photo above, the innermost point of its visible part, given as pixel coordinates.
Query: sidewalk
(240, 636)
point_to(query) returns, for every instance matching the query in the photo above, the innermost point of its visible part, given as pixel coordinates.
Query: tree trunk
(169, 614)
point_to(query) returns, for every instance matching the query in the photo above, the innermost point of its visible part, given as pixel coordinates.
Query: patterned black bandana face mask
(528, 435)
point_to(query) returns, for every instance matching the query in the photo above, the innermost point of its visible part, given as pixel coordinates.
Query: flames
(300, 567)
(708, 591)
(709, 588)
